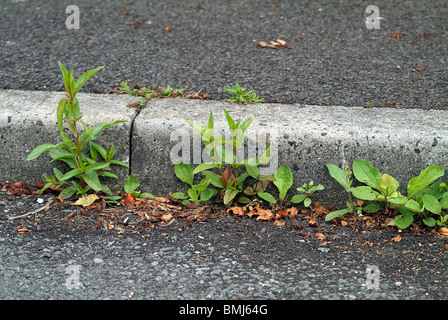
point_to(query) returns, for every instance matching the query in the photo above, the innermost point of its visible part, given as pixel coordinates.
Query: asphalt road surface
(334, 60)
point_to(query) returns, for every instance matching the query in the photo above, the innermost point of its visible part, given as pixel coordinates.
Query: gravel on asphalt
(218, 259)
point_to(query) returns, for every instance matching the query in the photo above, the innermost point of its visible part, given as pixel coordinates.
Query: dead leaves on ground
(151, 212)
(443, 232)
(277, 44)
(397, 35)
(86, 201)
(255, 209)
(16, 189)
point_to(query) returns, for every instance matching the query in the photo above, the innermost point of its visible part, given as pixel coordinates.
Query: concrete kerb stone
(28, 119)
(400, 142)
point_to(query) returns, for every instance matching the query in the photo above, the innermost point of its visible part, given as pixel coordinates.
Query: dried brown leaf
(162, 199)
(236, 210)
(264, 214)
(293, 212)
(279, 222)
(17, 189)
(421, 69)
(443, 231)
(22, 230)
(396, 35)
(281, 42)
(320, 236)
(320, 209)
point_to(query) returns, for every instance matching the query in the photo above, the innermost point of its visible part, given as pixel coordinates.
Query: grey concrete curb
(400, 142)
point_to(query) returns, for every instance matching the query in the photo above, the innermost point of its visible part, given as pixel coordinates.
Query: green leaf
(307, 202)
(316, 188)
(371, 208)
(42, 148)
(338, 174)
(91, 178)
(64, 71)
(336, 214)
(283, 180)
(110, 155)
(118, 162)
(106, 189)
(131, 183)
(67, 192)
(205, 166)
(60, 115)
(365, 193)
(431, 204)
(413, 205)
(430, 222)
(46, 186)
(229, 194)
(366, 173)
(93, 151)
(267, 196)
(253, 171)
(202, 185)
(245, 125)
(207, 194)
(108, 174)
(71, 83)
(101, 126)
(444, 201)
(266, 177)
(184, 172)
(225, 154)
(400, 200)
(244, 200)
(98, 148)
(388, 184)
(241, 180)
(65, 76)
(426, 177)
(215, 179)
(179, 195)
(298, 198)
(404, 220)
(84, 77)
(264, 159)
(147, 195)
(97, 166)
(210, 121)
(72, 173)
(58, 174)
(193, 195)
(58, 154)
(229, 120)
